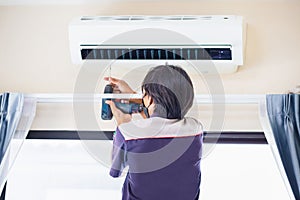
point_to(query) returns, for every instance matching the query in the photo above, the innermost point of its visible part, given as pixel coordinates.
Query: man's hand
(119, 85)
(118, 114)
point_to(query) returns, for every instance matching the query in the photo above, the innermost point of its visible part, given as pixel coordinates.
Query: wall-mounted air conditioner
(205, 41)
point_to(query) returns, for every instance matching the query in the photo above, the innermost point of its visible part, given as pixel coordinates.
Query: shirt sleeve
(119, 159)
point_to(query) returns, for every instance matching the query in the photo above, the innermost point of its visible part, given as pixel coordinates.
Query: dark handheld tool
(127, 108)
(106, 113)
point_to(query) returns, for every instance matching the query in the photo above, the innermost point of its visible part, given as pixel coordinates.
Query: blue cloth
(11, 105)
(284, 115)
(166, 167)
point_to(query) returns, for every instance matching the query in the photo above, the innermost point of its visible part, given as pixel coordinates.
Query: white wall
(35, 58)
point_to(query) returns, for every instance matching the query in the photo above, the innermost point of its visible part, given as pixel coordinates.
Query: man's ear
(150, 100)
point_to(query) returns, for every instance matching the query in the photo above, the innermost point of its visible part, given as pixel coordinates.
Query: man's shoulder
(157, 127)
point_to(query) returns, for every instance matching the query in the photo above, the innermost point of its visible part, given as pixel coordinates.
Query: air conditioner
(208, 42)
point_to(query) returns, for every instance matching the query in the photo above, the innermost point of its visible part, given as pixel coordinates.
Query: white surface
(60, 170)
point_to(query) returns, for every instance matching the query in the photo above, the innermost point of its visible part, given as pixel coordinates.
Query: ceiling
(53, 2)
(74, 2)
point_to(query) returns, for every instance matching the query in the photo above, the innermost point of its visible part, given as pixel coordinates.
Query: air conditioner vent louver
(156, 54)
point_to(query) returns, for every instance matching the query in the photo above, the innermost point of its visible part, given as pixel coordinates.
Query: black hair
(171, 90)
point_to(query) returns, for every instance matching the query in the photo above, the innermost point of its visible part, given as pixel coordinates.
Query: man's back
(164, 165)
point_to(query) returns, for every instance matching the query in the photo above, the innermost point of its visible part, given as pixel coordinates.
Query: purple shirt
(162, 165)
